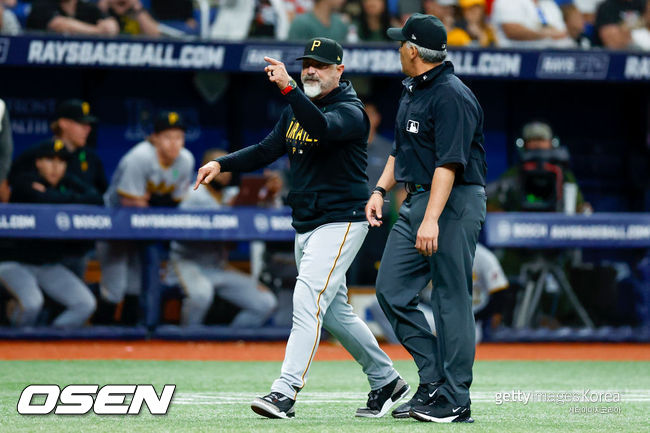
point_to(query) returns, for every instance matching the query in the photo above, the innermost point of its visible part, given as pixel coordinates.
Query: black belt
(413, 188)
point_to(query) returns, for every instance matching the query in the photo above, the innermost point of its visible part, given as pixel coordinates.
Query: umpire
(438, 154)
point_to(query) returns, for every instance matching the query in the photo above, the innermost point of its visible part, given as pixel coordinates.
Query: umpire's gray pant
(403, 273)
(323, 256)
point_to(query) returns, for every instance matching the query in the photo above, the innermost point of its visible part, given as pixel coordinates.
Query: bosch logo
(62, 221)
(261, 223)
(504, 230)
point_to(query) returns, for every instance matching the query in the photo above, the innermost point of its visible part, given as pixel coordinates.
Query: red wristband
(287, 89)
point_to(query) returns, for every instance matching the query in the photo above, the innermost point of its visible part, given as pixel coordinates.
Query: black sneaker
(274, 405)
(441, 410)
(425, 394)
(383, 399)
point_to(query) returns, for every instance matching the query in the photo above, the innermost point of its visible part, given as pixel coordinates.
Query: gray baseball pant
(200, 284)
(323, 256)
(121, 269)
(25, 282)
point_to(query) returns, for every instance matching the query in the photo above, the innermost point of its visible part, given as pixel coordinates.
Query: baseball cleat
(425, 394)
(441, 411)
(274, 405)
(381, 400)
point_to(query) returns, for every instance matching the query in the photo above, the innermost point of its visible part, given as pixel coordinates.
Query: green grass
(214, 396)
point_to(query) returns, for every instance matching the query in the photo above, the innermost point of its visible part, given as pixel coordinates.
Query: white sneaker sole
(426, 418)
(388, 405)
(264, 408)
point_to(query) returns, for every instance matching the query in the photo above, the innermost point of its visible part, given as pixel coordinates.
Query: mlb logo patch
(4, 49)
(413, 126)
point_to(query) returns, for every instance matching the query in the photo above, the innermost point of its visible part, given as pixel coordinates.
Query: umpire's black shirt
(326, 141)
(439, 121)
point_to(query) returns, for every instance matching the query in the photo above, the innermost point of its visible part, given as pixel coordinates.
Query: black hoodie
(326, 141)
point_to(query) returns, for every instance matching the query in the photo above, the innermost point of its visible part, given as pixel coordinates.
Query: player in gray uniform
(156, 172)
(30, 267)
(201, 267)
(324, 131)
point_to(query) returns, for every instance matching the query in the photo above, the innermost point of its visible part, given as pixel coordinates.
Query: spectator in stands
(588, 9)
(174, 10)
(529, 24)
(615, 22)
(406, 8)
(156, 172)
(271, 19)
(526, 186)
(472, 28)
(443, 9)
(72, 126)
(575, 25)
(9, 24)
(6, 151)
(132, 17)
(71, 17)
(373, 21)
(30, 264)
(202, 267)
(641, 36)
(323, 21)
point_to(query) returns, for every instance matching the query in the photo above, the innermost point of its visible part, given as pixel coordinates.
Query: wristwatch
(290, 86)
(379, 190)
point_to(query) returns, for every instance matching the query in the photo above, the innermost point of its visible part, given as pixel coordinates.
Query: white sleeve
(508, 11)
(553, 14)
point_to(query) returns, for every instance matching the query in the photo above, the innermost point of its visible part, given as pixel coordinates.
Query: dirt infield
(241, 351)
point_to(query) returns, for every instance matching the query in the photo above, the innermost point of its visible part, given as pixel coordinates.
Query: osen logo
(81, 399)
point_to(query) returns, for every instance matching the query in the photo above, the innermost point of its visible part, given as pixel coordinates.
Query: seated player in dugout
(154, 173)
(202, 268)
(28, 267)
(541, 181)
(72, 126)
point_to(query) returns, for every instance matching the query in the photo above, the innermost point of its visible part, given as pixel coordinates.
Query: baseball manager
(324, 130)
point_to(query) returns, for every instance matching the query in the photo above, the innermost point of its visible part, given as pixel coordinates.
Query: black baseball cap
(75, 109)
(168, 120)
(427, 31)
(323, 50)
(51, 148)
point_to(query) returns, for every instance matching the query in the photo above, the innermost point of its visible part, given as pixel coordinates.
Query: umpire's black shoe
(425, 394)
(274, 405)
(441, 410)
(381, 400)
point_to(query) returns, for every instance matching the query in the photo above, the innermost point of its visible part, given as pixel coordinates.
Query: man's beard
(313, 86)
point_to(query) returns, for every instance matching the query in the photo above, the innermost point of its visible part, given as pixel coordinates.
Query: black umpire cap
(75, 109)
(169, 120)
(323, 50)
(426, 31)
(51, 148)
